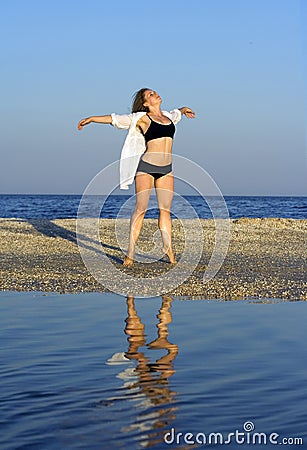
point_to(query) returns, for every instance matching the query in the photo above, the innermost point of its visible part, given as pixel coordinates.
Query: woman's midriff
(159, 152)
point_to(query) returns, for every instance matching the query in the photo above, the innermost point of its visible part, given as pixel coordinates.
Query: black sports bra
(158, 130)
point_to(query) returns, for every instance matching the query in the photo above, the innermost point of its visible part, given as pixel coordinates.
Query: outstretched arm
(96, 119)
(187, 112)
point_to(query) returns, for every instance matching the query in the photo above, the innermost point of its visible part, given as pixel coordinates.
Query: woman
(146, 158)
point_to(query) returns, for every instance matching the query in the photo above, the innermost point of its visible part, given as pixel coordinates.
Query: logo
(152, 281)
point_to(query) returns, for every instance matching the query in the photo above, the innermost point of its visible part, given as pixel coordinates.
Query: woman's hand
(187, 112)
(84, 122)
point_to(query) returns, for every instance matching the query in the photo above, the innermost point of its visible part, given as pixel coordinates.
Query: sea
(98, 371)
(66, 206)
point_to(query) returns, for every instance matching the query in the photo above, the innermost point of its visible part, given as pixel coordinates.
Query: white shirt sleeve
(122, 121)
(175, 115)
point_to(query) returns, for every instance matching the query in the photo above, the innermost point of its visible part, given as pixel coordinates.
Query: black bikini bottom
(152, 169)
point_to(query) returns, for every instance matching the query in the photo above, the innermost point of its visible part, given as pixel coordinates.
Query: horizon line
(132, 194)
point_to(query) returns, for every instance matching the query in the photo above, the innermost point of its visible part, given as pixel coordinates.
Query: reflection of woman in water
(152, 377)
(135, 330)
(147, 159)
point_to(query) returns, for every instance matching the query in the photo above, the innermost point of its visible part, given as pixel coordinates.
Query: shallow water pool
(98, 371)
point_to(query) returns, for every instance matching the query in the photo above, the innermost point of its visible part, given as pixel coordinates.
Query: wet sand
(266, 258)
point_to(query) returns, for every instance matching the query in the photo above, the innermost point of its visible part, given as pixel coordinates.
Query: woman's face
(151, 98)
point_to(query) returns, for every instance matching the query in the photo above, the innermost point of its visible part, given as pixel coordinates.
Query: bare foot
(169, 252)
(128, 261)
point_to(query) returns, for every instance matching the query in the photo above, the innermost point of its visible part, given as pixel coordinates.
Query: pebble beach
(266, 258)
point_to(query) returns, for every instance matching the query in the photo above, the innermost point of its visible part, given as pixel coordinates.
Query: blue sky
(239, 64)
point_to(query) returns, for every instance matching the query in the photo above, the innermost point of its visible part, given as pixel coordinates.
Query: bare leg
(143, 187)
(165, 191)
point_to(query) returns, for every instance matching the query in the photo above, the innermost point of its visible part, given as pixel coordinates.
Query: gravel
(266, 258)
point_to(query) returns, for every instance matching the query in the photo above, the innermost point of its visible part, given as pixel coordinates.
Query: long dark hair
(138, 100)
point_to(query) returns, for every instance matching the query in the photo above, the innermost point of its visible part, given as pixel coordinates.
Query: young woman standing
(146, 159)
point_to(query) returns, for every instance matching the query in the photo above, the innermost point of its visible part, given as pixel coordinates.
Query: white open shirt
(134, 145)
